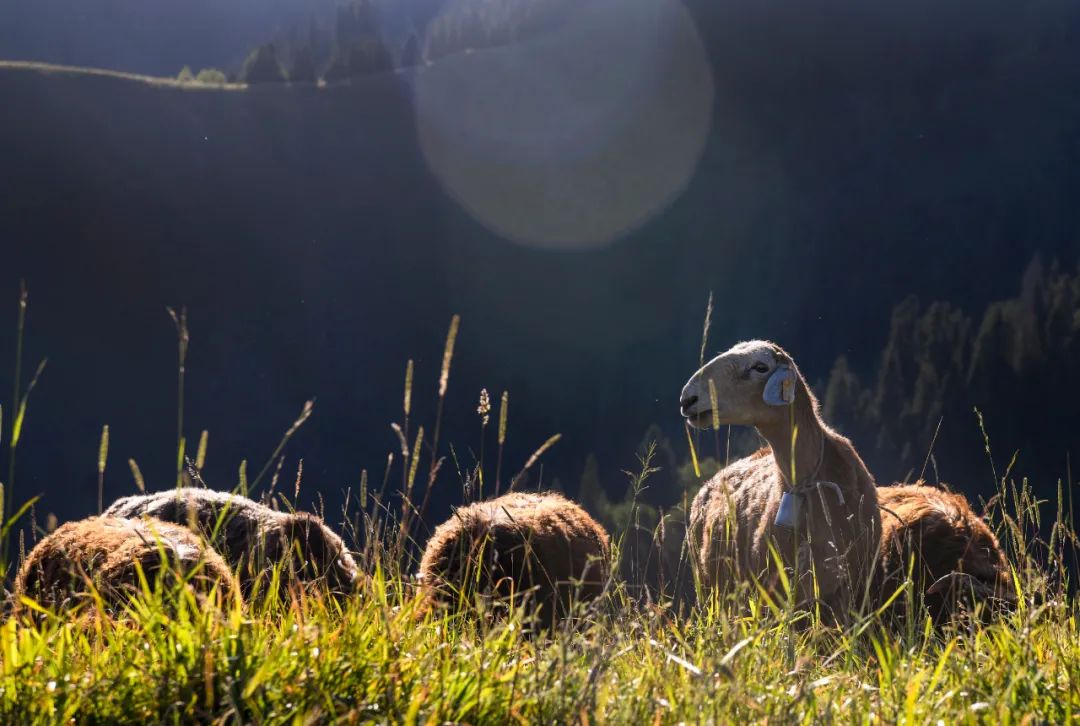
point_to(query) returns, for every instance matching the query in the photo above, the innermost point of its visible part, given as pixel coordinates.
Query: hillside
(316, 250)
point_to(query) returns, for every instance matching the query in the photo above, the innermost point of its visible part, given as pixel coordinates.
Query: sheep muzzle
(960, 583)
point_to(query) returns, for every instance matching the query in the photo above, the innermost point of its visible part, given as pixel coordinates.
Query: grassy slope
(383, 657)
(374, 662)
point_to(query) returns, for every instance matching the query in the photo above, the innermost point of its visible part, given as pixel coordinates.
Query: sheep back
(732, 525)
(108, 552)
(539, 547)
(252, 536)
(725, 519)
(939, 532)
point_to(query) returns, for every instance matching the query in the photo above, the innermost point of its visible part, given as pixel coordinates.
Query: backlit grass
(382, 657)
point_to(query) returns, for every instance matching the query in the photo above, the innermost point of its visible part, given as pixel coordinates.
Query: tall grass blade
(136, 474)
(103, 458)
(305, 414)
(200, 454)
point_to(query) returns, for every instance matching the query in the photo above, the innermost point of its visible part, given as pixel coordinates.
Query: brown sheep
(539, 546)
(107, 552)
(829, 523)
(956, 556)
(252, 536)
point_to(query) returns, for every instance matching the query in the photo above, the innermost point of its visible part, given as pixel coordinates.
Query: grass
(383, 656)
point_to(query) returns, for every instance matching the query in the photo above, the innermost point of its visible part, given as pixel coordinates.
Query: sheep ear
(780, 388)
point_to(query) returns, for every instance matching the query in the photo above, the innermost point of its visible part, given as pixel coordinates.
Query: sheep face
(311, 553)
(753, 383)
(979, 569)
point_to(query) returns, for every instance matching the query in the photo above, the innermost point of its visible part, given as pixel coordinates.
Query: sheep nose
(687, 402)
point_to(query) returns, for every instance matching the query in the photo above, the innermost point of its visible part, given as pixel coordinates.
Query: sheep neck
(809, 445)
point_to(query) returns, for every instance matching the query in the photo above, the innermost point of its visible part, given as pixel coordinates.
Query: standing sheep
(539, 547)
(956, 557)
(107, 552)
(808, 492)
(252, 536)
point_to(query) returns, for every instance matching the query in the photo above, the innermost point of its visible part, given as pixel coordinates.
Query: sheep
(107, 552)
(807, 492)
(956, 557)
(539, 547)
(252, 536)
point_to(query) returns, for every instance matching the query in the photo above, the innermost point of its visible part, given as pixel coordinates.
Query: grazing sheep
(252, 536)
(957, 559)
(107, 552)
(538, 545)
(825, 516)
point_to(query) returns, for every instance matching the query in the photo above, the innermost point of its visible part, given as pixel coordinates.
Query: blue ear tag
(780, 388)
(788, 513)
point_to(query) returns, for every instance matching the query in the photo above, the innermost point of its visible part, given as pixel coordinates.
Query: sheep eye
(760, 368)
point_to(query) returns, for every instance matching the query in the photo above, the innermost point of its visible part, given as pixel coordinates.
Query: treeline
(471, 26)
(1017, 364)
(358, 42)
(211, 76)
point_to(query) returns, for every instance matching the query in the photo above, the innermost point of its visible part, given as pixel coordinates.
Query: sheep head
(750, 385)
(311, 552)
(980, 571)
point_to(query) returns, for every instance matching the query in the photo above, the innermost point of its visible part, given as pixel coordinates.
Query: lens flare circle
(575, 135)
